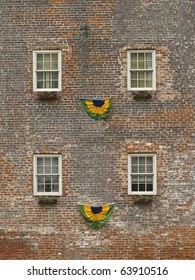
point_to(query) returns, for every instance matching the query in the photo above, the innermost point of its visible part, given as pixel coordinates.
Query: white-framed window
(47, 175)
(141, 65)
(47, 70)
(142, 174)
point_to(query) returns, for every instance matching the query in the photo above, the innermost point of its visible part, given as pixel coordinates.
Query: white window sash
(129, 70)
(36, 175)
(130, 174)
(36, 71)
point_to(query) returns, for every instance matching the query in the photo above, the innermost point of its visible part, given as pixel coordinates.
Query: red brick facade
(94, 37)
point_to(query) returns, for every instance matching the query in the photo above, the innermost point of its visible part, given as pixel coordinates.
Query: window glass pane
(141, 84)
(55, 179)
(46, 61)
(54, 161)
(149, 160)
(39, 80)
(55, 188)
(47, 165)
(149, 79)
(40, 179)
(54, 57)
(39, 161)
(47, 57)
(54, 75)
(134, 56)
(140, 56)
(148, 56)
(142, 168)
(141, 64)
(141, 61)
(47, 80)
(39, 66)
(48, 187)
(40, 188)
(141, 81)
(149, 179)
(134, 160)
(54, 65)
(134, 164)
(39, 61)
(134, 169)
(133, 84)
(149, 75)
(134, 79)
(142, 183)
(55, 184)
(134, 187)
(133, 60)
(54, 168)
(149, 168)
(47, 169)
(148, 84)
(142, 160)
(149, 183)
(141, 75)
(134, 183)
(148, 64)
(149, 188)
(134, 179)
(47, 161)
(134, 75)
(47, 66)
(55, 80)
(40, 76)
(47, 183)
(133, 64)
(40, 84)
(55, 84)
(148, 60)
(40, 169)
(39, 57)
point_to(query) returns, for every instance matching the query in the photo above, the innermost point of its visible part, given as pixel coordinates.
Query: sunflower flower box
(47, 200)
(142, 199)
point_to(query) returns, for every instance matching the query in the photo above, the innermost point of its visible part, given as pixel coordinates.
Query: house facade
(132, 144)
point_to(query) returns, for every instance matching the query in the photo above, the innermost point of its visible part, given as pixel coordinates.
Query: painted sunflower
(96, 216)
(97, 108)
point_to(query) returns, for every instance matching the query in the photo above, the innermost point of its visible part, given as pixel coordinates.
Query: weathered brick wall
(94, 37)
